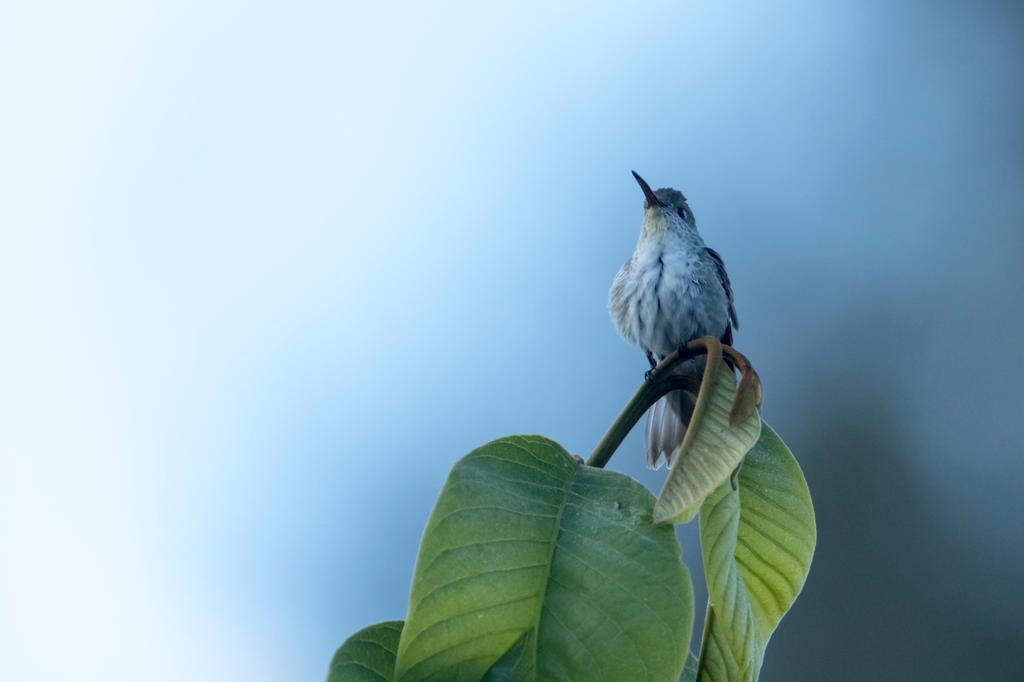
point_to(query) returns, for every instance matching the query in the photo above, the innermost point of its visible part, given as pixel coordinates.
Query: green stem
(660, 382)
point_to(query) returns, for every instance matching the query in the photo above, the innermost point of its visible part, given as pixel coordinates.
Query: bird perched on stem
(672, 290)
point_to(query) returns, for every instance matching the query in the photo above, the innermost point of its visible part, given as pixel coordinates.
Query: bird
(673, 289)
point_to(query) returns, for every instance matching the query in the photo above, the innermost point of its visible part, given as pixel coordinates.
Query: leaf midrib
(741, 598)
(566, 490)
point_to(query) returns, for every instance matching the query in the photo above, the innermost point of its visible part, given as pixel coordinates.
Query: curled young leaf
(724, 426)
(749, 394)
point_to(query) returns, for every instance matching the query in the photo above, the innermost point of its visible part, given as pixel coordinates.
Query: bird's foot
(654, 363)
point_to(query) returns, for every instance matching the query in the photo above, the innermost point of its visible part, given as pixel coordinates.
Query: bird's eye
(682, 213)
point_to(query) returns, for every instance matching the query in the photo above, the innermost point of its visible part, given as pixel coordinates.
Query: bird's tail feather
(666, 426)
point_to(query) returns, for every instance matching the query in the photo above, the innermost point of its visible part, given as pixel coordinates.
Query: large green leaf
(368, 655)
(536, 566)
(721, 431)
(757, 541)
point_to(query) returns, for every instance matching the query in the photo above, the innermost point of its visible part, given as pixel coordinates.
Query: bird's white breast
(666, 295)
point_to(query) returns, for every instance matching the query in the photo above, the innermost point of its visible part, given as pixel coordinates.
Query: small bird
(672, 290)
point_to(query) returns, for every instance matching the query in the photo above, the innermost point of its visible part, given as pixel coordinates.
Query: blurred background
(268, 269)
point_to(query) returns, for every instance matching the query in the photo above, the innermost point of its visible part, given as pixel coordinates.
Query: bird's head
(665, 208)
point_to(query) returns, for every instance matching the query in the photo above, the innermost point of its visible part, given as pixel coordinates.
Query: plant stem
(660, 382)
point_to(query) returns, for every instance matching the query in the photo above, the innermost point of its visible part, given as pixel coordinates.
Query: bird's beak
(652, 199)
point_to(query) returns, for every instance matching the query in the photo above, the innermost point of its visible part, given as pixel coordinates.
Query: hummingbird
(673, 289)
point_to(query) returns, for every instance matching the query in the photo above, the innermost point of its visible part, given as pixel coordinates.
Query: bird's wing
(723, 277)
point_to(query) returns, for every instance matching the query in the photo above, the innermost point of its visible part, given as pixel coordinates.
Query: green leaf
(758, 542)
(536, 566)
(716, 440)
(368, 655)
(690, 669)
